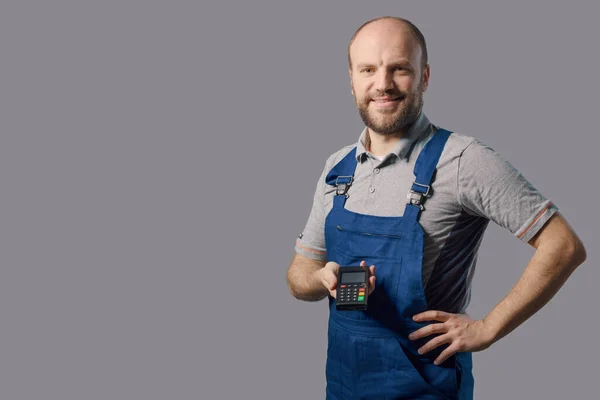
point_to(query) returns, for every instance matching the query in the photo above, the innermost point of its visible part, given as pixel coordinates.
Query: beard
(398, 119)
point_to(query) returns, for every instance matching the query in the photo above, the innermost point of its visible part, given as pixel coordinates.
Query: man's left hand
(461, 332)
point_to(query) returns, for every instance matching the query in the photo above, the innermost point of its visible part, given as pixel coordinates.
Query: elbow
(290, 284)
(580, 254)
(576, 252)
(299, 295)
(292, 290)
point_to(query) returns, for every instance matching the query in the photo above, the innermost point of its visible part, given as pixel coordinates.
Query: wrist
(317, 281)
(490, 331)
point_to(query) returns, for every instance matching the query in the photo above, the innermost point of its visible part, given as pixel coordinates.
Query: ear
(351, 87)
(426, 73)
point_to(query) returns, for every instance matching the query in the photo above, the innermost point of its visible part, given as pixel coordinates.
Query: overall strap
(424, 170)
(342, 176)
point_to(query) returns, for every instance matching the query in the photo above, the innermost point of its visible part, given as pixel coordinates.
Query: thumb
(329, 275)
(334, 275)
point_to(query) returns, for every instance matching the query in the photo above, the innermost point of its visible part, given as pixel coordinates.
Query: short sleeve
(490, 187)
(311, 242)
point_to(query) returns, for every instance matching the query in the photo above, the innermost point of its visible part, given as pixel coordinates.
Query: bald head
(394, 24)
(388, 74)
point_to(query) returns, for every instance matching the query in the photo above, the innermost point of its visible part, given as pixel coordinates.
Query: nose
(384, 80)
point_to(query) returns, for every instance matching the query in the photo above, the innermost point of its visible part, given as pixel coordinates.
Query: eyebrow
(401, 63)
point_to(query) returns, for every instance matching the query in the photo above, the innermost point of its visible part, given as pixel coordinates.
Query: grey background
(158, 160)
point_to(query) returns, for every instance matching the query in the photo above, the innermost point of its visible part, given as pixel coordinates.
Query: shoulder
(459, 142)
(337, 156)
(479, 165)
(467, 148)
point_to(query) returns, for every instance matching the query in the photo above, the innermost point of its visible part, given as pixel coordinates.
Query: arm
(303, 280)
(310, 276)
(491, 188)
(310, 255)
(312, 280)
(558, 253)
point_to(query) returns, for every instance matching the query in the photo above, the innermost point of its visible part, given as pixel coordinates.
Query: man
(412, 201)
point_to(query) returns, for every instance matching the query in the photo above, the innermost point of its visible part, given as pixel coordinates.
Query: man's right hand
(328, 276)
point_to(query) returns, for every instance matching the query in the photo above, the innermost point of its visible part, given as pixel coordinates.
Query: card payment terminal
(352, 288)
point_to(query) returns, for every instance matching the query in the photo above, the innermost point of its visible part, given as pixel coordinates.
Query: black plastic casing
(349, 305)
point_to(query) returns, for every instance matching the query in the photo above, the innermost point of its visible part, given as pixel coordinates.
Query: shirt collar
(416, 130)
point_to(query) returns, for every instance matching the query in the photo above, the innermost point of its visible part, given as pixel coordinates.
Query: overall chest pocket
(385, 251)
(368, 243)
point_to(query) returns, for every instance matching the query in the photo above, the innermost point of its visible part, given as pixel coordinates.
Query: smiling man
(412, 201)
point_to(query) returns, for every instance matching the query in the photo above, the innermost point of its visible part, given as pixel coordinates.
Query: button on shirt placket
(374, 179)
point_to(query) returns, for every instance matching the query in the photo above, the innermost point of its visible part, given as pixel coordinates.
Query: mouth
(386, 101)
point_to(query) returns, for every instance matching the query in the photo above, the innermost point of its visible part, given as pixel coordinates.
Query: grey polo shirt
(473, 185)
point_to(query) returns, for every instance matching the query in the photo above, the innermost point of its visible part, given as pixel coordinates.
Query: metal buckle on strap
(342, 188)
(417, 198)
(426, 194)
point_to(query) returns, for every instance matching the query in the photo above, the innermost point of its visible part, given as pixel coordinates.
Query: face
(387, 78)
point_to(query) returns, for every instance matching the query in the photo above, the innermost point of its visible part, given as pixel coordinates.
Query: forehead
(384, 41)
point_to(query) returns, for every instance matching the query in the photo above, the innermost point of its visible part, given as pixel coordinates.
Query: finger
(333, 279)
(371, 284)
(329, 279)
(428, 330)
(333, 293)
(372, 270)
(447, 353)
(333, 283)
(434, 343)
(433, 315)
(333, 267)
(363, 263)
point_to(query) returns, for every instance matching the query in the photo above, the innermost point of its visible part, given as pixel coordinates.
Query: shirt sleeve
(311, 242)
(490, 187)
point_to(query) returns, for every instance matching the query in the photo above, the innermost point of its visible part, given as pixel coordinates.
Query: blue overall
(369, 355)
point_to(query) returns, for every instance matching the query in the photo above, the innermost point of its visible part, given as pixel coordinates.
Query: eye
(367, 69)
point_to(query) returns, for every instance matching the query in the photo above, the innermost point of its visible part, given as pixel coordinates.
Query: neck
(380, 144)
